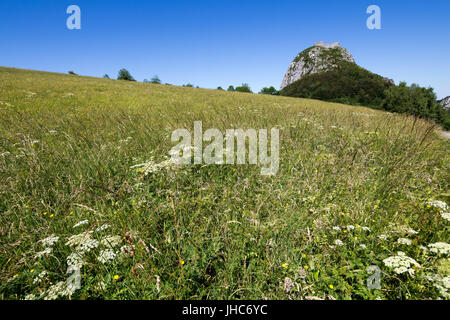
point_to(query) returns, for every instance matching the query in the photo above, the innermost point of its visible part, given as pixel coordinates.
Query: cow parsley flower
(338, 242)
(44, 252)
(440, 283)
(87, 246)
(438, 204)
(404, 241)
(40, 277)
(439, 247)
(106, 256)
(111, 241)
(30, 297)
(103, 227)
(60, 289)
(75, 259)
(78, 239)
(81, 223)
(152, 167)
(401, 263)
(50, 241)
(446, 215)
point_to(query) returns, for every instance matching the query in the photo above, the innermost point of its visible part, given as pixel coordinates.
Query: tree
(106, 76)
(271, 90)
(219, 88)
(155, 79)
(244, 88)
(230, 88)
(188, 85)
(414, 100)
(124, 74)
(71, 72)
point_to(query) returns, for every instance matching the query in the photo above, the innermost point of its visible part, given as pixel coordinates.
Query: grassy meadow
(356, 188)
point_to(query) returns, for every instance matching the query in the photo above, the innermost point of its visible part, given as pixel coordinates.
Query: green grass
(221, 231)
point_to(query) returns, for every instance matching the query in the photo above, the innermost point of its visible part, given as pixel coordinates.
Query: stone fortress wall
(327, 46)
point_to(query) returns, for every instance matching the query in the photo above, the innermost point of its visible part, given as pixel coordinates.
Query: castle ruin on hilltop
(327, 46)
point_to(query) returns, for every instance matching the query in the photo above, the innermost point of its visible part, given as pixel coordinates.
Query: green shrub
(244, 88)
(124, 74)
(270, 90)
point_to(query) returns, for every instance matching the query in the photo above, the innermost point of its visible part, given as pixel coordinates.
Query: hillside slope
(352, 182)
(346, 83)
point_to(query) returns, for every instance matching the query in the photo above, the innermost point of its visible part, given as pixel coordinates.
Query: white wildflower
(126, 249)
(60, 289)
(75, 259)
(438, 204)
(440, 283)
(111, 241)
(363, 246)
(446, 215)
(338, 243)
(288, 284)
(101, 286)
(78, 239)
(152, 167)
(366, 229)
(44, 252)
(404, 241)
(81, 223)
(50, 241)
(350, 227)
(383, 237)
(337, 228)
(30, 297)
(401, 263)
(87, 246)
(40, 277)
(103, 227)
(106, 256)
(439, 247)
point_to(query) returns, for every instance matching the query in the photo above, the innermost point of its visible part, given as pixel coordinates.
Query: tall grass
(222, 231)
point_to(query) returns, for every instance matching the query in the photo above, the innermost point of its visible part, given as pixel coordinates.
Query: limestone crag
(318, 58)
(445, 102)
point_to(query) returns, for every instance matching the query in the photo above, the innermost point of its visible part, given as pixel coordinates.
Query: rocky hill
(318, 58)
(329, 72)
(445, 103)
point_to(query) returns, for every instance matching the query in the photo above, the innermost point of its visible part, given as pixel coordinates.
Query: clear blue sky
(214, 43)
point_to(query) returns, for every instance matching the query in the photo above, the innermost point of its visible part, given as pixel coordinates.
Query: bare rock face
(320, 57)
(445, 103)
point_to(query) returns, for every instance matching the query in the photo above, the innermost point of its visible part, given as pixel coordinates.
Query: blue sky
(213, 43)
